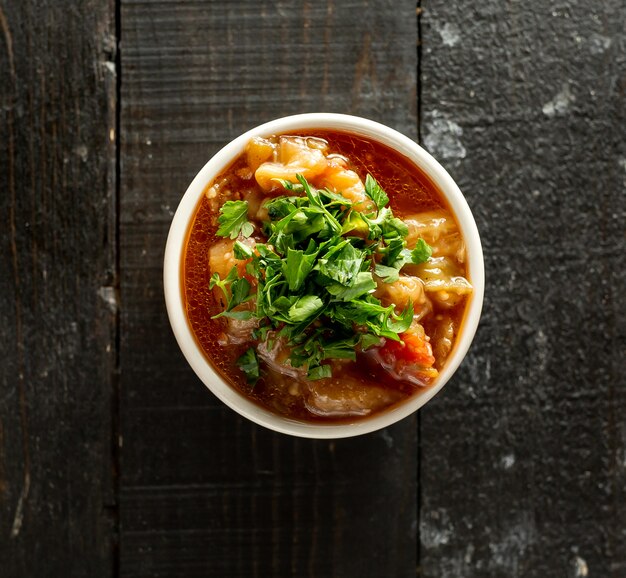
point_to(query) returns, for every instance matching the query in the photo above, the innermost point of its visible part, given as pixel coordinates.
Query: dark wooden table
(116, 461)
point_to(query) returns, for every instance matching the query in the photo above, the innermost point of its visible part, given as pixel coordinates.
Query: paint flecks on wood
(56, 338)
(523, 450)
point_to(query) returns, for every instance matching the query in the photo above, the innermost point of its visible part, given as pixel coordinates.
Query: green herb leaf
(356, 224)
(387, 274)
(223, 284)
(363, 284)
(341, 348)
(241, 315)
(391, 226)
(239, 293)
(305, 307)
(359, 311)
(297, 266)
(249, 364)
(374, 191)
(236, 291)
(279, 208)
(252, 268)
(392, 252)
(240, 288)
(421, 253)
(289, 186)
(402, 259)
(341, 263)
(319, 372)
(400, 323)
(310, 352)
(266, 252)
(233, 219)
(368, 340)
(247, 229)
(242, 251)
(335, 198)
(314, 197)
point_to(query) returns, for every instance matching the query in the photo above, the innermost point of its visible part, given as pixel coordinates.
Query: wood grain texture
(523, 470)
(57, 266)
(204, 492)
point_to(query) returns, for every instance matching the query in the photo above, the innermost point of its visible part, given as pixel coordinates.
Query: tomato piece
(414, 349)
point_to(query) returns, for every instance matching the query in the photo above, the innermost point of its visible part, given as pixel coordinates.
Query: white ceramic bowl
(175, 246)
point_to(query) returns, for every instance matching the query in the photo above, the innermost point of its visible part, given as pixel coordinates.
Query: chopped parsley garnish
(375, 192)
(233, 220)
(421, 253)
(311, 283)
(249, 364)
(236, 290)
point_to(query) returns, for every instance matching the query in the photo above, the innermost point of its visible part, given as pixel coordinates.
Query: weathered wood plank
(523, 470)
(211, 494)
(57, 269)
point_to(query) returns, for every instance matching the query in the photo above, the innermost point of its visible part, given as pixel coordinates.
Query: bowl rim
(174, 252)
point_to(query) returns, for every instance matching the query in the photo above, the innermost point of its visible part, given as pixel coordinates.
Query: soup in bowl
(323, 275)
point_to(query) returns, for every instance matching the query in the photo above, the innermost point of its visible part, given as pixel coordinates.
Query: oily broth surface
(409, 191)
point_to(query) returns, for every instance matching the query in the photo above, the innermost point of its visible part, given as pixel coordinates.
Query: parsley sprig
(233, 220)
(312, 281)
